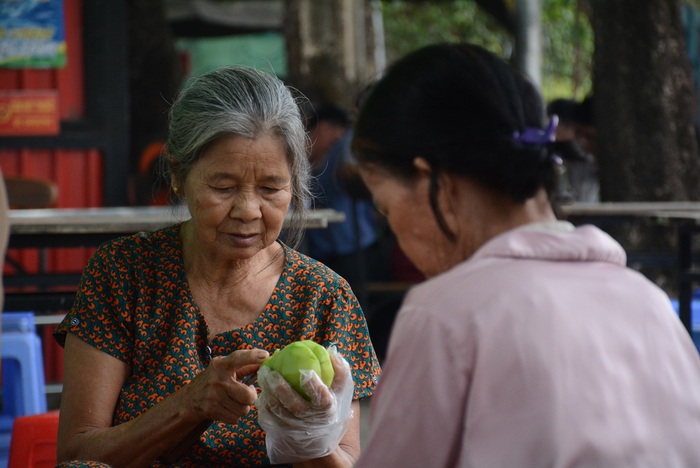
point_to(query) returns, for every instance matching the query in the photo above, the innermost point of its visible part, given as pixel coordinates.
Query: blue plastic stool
(23, 385)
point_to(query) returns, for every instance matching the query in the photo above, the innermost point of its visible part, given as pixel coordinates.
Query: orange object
(149, 156)
(33, 442)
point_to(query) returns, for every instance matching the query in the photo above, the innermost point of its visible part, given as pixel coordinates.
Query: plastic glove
(296, 429)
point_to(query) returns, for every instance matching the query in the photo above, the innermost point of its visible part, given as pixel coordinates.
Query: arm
(92, 383)
(420, 401)
(348, 450)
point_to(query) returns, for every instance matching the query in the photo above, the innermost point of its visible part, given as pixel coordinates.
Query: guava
(301, 355)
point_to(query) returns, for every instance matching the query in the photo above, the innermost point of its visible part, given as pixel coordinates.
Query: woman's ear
(424, 168)
(446, 191)
(177, 186)
(427, 171)
(422, 165)
(424, 174)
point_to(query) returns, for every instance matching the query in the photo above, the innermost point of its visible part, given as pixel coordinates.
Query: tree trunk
(644, 103)
(528, 39)
(644, 114)
(332, 47)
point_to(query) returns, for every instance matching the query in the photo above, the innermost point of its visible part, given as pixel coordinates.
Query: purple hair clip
(537, 136)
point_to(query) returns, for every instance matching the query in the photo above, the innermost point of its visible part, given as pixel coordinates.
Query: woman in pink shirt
(530, 344)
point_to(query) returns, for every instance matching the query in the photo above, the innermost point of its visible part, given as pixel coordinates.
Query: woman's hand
(92, 383)
(285, 402)
(218, 393)
(297, 429)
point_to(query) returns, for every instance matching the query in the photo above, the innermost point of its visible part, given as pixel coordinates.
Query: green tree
(568, 49)
(410, 25)
(567, 36)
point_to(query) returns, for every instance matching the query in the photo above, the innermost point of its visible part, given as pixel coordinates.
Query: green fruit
(298, 356)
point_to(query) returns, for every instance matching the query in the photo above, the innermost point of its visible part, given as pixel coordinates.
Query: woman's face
(407, 208)
(238, 194)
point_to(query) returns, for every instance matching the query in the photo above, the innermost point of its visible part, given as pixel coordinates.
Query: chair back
(25, 193)
(34, 440)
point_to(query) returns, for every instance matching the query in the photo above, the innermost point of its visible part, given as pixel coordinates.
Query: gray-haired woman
(167, 325)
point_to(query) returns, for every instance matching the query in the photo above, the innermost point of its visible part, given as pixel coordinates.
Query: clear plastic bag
(297, 429)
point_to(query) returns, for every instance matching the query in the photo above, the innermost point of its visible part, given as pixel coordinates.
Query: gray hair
(245, 102)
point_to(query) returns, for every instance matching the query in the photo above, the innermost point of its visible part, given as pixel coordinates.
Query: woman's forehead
(261, 156)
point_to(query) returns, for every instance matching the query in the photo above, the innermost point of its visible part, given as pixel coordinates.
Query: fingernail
(261, 354)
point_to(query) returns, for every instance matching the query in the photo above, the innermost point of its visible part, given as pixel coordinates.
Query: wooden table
(90, 227)
(683, 216)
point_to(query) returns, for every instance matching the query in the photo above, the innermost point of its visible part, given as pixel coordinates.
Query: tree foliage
(410, 25)
(568, 49)
(567, 38)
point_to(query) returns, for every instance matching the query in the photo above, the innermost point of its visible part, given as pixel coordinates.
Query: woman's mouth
(243, 240)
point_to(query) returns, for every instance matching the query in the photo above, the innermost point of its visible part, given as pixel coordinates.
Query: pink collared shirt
(542, 350)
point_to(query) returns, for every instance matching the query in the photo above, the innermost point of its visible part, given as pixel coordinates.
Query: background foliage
(567, 37)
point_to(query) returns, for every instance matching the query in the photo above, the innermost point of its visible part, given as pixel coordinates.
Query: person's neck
(485, 215)
(538, 209)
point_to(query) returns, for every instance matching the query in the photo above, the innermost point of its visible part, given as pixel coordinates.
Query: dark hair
(572, 111)
(458, 106)
(566, 109)
(331, 112)
(585, 111)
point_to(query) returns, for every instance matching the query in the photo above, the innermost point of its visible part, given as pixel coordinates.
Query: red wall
(77, 172)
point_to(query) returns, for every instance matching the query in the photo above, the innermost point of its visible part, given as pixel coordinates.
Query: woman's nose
(246, 207)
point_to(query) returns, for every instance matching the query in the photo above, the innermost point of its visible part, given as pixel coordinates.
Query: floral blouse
(135, 304)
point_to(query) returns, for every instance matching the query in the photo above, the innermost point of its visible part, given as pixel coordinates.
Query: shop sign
(29, 113)
(32, 34)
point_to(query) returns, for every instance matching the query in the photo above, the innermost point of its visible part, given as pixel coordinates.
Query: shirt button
(75, 321)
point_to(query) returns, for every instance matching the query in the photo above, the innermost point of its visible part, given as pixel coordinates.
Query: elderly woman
(530, 344)
(167, 325)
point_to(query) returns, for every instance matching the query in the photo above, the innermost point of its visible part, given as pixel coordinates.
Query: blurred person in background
(350, 248)
(576, 140)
